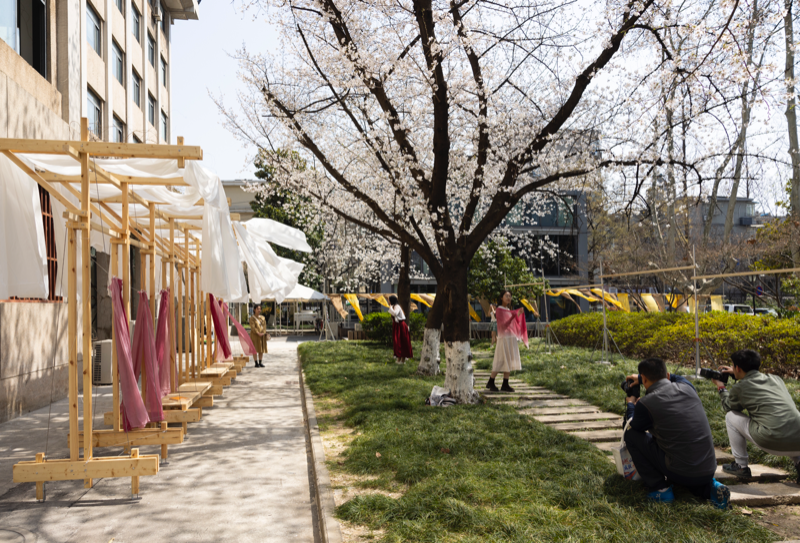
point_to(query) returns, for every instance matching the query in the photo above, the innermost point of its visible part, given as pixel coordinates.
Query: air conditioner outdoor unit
(101, 362)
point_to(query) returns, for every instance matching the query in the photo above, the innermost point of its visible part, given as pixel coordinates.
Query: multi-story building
(108, 61)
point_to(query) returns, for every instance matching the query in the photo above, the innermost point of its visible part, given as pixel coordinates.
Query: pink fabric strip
(512, 323)
(219, 326)
(134, 415)
(163, 343)
(144, 350)
(219, 355)
(244, 338)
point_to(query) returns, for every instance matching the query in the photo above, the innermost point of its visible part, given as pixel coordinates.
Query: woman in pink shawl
(511, 328)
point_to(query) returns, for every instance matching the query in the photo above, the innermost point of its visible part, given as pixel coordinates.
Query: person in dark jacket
(669, 439)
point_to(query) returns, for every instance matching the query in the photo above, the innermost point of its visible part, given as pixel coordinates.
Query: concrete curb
(328, 526)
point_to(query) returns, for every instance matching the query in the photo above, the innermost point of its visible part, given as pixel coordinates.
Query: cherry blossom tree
(426, 123)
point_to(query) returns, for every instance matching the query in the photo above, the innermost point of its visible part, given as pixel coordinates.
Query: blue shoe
(720, 495)
(662, 496)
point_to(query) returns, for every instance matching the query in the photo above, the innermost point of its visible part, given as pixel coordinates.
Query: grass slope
(484, 473)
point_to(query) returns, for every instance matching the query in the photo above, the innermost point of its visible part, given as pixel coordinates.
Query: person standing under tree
(258, 335)
(511, 328)
(401, 338)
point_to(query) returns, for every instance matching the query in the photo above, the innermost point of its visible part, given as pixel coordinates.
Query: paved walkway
(241, 475)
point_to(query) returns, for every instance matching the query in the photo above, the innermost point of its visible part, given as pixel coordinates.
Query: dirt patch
(784, 520)
(336, 438)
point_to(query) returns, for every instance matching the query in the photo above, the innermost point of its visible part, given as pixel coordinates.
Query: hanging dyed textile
(218, 354)
(134, 415)
(512, 323)
(144, 350)
(219, 326)
(163, 344)
(244, 338)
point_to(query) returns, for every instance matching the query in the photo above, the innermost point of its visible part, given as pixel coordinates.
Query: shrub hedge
(378, 326)
(671, 336)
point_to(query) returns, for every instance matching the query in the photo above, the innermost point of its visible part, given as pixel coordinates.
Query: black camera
(709, 374)
(630, 389)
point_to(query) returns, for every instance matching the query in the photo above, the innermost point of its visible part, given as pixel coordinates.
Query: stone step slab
(573, 409)
(759, 472)
(554, 403)
(522, 396)
(723, 457)
(588, 425)
(599, 435)
(765, 494)
(577, 417)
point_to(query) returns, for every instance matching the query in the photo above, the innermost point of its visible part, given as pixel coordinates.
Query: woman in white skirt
(511, 329)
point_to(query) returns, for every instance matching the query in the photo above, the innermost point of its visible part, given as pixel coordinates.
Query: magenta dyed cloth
(134, 415)
(144, 350)
(512, 323)
(218, 354)
(244, 338)
(163, 345)
(219, 326)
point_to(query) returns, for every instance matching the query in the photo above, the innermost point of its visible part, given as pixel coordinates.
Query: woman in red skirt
(401, 338)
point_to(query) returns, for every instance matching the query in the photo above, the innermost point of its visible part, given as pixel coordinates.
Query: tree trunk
(404, 281)
(791, 121)
(459, 377)
(429, 359)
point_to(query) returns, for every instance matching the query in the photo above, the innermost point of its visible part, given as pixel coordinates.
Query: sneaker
(736, 469)
(665, 495)
(720, 494)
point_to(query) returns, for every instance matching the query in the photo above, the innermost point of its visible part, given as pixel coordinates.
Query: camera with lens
(710, 374)
(630, 389)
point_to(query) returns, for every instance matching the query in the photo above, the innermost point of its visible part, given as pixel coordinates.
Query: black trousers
(651, 463)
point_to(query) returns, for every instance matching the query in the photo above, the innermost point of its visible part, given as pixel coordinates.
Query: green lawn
(484, 473)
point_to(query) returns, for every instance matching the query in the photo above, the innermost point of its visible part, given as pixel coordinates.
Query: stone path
(240, 476)
(604, 430)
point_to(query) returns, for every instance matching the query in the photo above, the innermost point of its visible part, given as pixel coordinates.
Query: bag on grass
(440, 397)
(623, 460)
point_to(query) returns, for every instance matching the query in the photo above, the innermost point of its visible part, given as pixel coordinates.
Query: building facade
(108, 61)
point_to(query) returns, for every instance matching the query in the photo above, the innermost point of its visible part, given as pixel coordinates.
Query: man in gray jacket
(669, 437)
(773, 424)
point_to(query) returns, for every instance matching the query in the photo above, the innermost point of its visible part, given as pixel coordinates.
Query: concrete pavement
(241, 475)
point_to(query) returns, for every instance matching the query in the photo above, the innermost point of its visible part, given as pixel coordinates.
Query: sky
(201, 64)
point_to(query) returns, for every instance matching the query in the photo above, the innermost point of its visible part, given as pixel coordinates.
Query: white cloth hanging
(23, 251)
(280, 234)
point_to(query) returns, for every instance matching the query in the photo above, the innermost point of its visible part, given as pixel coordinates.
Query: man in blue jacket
(670, 439)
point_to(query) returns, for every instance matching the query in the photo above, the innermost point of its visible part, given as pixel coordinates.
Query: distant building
(745, 219)
(240, 199)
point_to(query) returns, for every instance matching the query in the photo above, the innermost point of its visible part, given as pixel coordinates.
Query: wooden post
(126, 283)
(114, 361)
(209, 332)
(135, 479)
(86, 301)
(72, 325)
(40, 484)
(187, 319)
(192, 314)
(164, 451)
(152, 291)
(173, 381)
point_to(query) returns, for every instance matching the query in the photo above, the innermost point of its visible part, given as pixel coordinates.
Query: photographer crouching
(773, 424)
(669, 439)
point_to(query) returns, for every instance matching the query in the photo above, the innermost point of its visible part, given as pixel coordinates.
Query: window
(120, 6)
(23, 26)
(93, 35)
(136, 139)
(119, 131)
(136, 24)
(151, 109)
(151, 50)
(137, 89)
(163, 19)
(94, 114)
(163, 72)
(164, 131)
(118, 66)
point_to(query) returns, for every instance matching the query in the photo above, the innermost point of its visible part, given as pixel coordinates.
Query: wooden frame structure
(180, 263)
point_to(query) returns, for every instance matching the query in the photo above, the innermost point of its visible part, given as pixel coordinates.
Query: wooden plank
(135, 438)
(646, 272)
(599, 435)
(205, 401)
(577, 417)
(748, 273)
(196, 386)
(105, 149)
(765, 494)
(589, 425)
(72, 341)
(179, 400)
(213, 372)
(171, 416)
(96, 468)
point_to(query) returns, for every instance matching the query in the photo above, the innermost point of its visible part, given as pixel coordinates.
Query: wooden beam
(170, 415)
(86, 299)
(645, 272)
(748, 273)
(72, 340)
(137, 437)
(101, 148)
(130, 179)
(96, 468)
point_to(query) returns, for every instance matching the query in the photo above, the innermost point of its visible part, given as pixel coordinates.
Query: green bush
(378, 326)
(671, 336)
